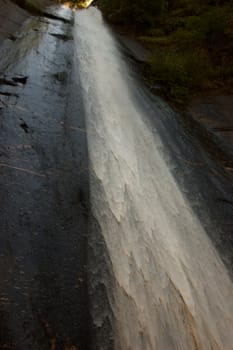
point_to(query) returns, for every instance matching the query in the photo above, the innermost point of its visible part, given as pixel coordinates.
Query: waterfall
(167, 287)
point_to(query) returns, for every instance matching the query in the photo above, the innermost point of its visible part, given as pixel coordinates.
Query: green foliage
(184, 8)
(188, 40)
(180, 72)
(214, 24)
(184, 38)
(139, 13)
(172, 24)
(210, 26)
(156, 32)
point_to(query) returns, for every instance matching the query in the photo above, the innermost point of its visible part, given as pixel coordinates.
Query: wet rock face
(12, 17)
(43, 191)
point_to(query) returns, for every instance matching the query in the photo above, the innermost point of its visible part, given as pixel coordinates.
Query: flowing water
(168, 287)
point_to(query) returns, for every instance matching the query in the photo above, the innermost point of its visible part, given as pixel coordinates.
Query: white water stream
(172, 290)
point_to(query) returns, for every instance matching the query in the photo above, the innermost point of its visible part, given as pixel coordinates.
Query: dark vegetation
(191, 41)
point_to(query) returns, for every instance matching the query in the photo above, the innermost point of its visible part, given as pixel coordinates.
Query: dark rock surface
(12, 17)
(214, 112)
(43, 190)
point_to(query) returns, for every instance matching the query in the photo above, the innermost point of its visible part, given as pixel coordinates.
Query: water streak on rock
(170, 290)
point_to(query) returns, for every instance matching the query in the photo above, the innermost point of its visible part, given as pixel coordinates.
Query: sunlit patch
(84, 3)
(79, 5)
(66, 4)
